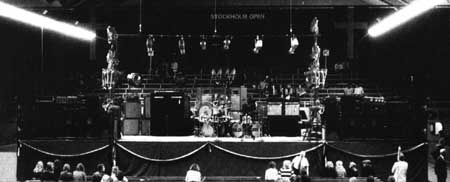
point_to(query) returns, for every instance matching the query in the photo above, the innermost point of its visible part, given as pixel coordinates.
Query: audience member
(57, 169)
(193, 174)
(391, 179)
(329, 170)
(286, 171)
(271, 174)
(340, 170)
(38, 170)
(121, 177)
(400, 168)
(303, 177)
(79, 175)
(353, 179)
(367, 168)
(370, 179)
(352, 170)
(440, 166)
(299, 163)
(66, 175)
(114, 175)
(98, 175)
(49, 173)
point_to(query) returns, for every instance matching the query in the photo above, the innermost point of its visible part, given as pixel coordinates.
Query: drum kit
(217, 120)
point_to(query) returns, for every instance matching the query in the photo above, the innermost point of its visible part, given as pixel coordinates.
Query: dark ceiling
(203, 3)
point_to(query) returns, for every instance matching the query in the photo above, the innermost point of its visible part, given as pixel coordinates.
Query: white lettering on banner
(237, 16)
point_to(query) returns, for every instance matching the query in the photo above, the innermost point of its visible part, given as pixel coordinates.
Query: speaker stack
(137, 116)
(168, 113)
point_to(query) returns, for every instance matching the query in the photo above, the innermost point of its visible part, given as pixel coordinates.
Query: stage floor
(276, 139)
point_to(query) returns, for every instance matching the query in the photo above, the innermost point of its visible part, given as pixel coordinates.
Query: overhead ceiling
(203, 3)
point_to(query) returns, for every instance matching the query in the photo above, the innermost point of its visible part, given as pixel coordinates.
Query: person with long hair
(48, 174)
(79, 175)
(340, 170)
(193, 174)
(115, 172)
(300, 163)
(66, 175)
(38, 170)
(400, 168)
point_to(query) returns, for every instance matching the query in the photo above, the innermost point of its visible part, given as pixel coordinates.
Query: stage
(213, 139)
(150, 156)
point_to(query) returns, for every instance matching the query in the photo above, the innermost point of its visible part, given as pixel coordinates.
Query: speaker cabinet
(238, 98)
(132, 110)
(168, 114)
(130, 127)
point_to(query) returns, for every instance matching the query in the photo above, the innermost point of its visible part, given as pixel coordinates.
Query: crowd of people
(54, 171)
(297, 170)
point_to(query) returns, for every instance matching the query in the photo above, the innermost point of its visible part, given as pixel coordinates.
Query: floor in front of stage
(8, 162)
(213, 139)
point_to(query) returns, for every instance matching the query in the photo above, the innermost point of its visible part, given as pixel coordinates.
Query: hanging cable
(140, 16)
(290, 16)
(215, 17)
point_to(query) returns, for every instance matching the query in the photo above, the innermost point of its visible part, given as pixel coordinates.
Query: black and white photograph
(224, 90)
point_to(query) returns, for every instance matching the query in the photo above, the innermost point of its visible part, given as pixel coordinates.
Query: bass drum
(237, 129)
(207, 130)
(256, 130)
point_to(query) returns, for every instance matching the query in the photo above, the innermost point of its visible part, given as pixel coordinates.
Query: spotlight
(149, 43)
(38, 20)
(203, 42)
(227, 42)
(134, 79)
(258, 44)
(412, 10)
(294, 44)
(181, 46)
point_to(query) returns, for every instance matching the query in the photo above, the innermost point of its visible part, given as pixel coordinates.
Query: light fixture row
(258, 44)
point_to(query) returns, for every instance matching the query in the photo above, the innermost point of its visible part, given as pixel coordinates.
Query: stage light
(134, 79)
(45, 12)
(227, 42)
(40, 21)
(181, 46)
(203, 42)
(294, 44)
(149, 44)
(76, 22)
(258, 44)
(397, 18)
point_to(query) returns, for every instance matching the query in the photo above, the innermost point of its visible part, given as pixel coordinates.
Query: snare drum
(207, 130)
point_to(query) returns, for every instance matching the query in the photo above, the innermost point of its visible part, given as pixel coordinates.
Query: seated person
(271, 174)
(193, 174)
(329, 171)
(66, 175)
